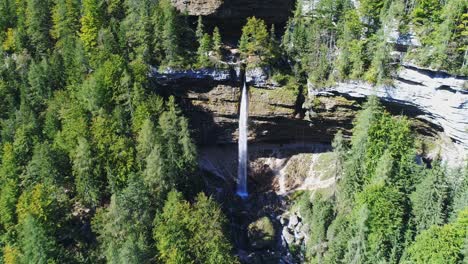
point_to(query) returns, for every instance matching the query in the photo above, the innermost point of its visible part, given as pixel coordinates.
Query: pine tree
(90, 24)
(40, 87)
(7, 15)
(197, 228)
(430, 200)
(339, 149)
(200, 31)
(171, 36)
(86, 181)
(137, 27)
(124, 228)
(42, 168)
(441, 244)
(203, 60)
(254, 41)
(38, 25)
(145, 141)
(37, 246)
(217, 44)
(65, 17)
(9, 179)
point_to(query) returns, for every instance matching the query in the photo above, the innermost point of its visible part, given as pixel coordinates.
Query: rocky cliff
(232, 14)
(436, 102)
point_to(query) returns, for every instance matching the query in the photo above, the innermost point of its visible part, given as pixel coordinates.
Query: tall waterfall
(243, 154)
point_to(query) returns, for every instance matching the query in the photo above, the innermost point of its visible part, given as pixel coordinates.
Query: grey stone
(287, 236)
(441, 99)
(293, 220)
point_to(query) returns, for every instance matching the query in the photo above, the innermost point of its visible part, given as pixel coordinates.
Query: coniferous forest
(99, 163)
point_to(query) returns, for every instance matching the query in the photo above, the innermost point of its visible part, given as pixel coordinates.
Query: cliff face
(436, 102)
(436, 97)
(232, 14)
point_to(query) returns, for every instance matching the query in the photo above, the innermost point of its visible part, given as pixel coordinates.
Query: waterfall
(243, 154)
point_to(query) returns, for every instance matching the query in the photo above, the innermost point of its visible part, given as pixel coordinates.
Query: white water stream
(243, 154)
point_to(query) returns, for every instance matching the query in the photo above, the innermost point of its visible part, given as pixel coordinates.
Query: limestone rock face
(198, 7)
(436, 97)
(237, 11)
(437, 104)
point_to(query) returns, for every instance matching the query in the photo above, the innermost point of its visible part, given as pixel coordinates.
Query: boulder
(293, 221)
(287, 235)
(261, 233)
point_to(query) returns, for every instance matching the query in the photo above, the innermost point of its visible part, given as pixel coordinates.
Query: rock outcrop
(232, 14)
(436, 102)
(436, 97)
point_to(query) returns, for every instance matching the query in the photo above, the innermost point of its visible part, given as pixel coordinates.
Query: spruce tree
(91, 23)
(430, 200)
(203, 51)
(38, 25)
(217, 44)
(37, 246)
(86, 181)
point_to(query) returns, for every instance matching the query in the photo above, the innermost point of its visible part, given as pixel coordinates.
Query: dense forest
(99, 166)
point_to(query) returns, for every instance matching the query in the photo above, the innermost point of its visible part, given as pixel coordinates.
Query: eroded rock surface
(436, 97)
(237, 11)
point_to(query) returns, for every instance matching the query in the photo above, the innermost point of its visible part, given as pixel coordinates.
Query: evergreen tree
(339, 149)
(171, 36)
(38, 25)
(37, 246)
(441, 244)
(355, 171)
(217, 44)
(125, 227)
(40, 88)
(42, 168)
(430, 200)
(460, 196)
(197, 228)
(254, 40)
(145, 141)
(200, 31)
(204, 51)
(7, 14)
(90, 23)
(137, 27)
(86, 181)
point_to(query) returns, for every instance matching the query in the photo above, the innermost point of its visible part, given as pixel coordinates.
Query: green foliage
(90, 24)
(172, 38)
(124, 228)
(254, 42)
(441, 244)
(217, 43)
(87, 181)
(114, 151)
(38, 18)
(203, 51)
(385, 221)
(37, 246)
(319, 220)
(43, 167)
(430, 200)
(172, 159)
(460, 196)
(197, 231)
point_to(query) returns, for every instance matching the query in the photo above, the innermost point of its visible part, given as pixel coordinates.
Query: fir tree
(217, 44)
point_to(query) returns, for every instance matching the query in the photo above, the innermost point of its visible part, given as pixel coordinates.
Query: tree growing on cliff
(217, 43)
(254, 42)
